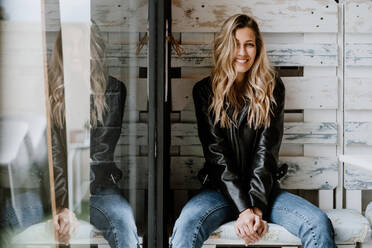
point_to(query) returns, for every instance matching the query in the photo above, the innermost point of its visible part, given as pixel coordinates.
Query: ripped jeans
(206, 211)
(112, 215)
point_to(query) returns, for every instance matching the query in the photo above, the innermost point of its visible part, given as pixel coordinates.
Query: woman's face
(245, 51)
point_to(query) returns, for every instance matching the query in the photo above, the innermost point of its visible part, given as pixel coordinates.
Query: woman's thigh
(302, 219)
(202, 215)
(112, 215)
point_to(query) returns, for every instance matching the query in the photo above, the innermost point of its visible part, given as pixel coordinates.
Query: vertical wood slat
(340, 109)
(324, 196)
(354, 200)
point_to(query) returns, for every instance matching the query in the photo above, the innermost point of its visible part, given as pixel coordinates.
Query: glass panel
(25, 200)
(106, 117)
(96, 92)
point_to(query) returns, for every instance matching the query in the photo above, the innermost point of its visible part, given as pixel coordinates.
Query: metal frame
(159, 123)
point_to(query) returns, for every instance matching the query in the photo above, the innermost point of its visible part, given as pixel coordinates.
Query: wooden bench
(351, 228)
(39, 235)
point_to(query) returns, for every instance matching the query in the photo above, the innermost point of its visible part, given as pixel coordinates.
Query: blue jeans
(206, 211)
(112, 215)
(30, 210)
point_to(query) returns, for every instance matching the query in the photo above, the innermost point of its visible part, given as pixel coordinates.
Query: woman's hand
(250, 226)
(261, 225)
(66, 224)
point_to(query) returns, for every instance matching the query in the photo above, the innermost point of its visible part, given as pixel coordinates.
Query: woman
(109, 210)
(239, 111)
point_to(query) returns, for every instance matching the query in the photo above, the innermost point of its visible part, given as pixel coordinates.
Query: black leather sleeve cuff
(103, 174)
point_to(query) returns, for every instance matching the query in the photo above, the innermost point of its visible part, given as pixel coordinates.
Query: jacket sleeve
(216, 151)
(59, 153)
(266, 153)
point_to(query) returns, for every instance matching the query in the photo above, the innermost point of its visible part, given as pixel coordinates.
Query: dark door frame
(159, 123)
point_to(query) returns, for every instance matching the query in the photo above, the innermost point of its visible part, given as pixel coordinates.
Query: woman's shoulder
(279, 90)
(203, 87)
(115, 85)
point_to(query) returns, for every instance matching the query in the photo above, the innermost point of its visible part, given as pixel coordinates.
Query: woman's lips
(241, 61)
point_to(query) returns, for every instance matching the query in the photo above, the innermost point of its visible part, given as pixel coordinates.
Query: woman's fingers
(247, 231)
(257, 224)
(266, 227)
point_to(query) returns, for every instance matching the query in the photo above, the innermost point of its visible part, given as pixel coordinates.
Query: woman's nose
(242, 51)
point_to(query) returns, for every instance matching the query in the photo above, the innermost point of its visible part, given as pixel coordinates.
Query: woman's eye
(250, 44)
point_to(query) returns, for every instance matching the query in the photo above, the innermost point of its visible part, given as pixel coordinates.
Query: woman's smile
(241, 61)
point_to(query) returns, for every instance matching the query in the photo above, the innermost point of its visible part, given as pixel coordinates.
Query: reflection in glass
(110, 212)
(24, 176)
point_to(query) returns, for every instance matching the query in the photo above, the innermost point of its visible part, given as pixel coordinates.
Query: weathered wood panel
(358, 53)
(358, 93)
(289, 16)
(304, 172)
(196, 16)
(294, 133)
(110, 15)
(276, 60)
(357, 178)
(134, 134)
(310, 173)
(126, 62)
(135, 172)
(136, 94)
(291, 54)
(358, 133)
(311, 93)
(205, 50)
(301, 92)
(358, 14)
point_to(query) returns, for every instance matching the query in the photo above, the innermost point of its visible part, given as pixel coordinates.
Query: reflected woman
(109, 210)
(240, 110)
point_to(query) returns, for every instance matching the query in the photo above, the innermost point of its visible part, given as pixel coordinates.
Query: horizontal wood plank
(310, 173)
(358, 93)
(185, 134)
(200, 55)
(196, 16)
(358, 14)
(303, 173)
(358, 133)
(301, 92)
(357, 178)
(289, 16)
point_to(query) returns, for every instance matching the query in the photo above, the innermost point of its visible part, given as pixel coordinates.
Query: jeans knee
(323, 223)
(318, 231)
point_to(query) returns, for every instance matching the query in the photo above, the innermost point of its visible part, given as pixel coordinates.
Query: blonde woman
(239, 111)
(110, 212)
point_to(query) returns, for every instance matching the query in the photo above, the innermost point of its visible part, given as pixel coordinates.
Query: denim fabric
(112, 215)
(205, 212)
(30, 209)
(303, 219)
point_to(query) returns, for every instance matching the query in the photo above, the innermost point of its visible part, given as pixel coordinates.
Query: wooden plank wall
(299, 36)
(358, 98)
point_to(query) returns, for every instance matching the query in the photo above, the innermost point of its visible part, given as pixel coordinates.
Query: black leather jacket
(103, 140)
(240, 162)
(104, 137)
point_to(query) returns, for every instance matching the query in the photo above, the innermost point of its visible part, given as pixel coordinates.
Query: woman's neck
(239, 80)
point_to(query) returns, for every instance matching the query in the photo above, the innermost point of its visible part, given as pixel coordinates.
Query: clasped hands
(66, 224)
(250, 226)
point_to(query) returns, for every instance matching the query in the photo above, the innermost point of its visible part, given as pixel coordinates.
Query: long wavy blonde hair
(98, 79)
(259, 81)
